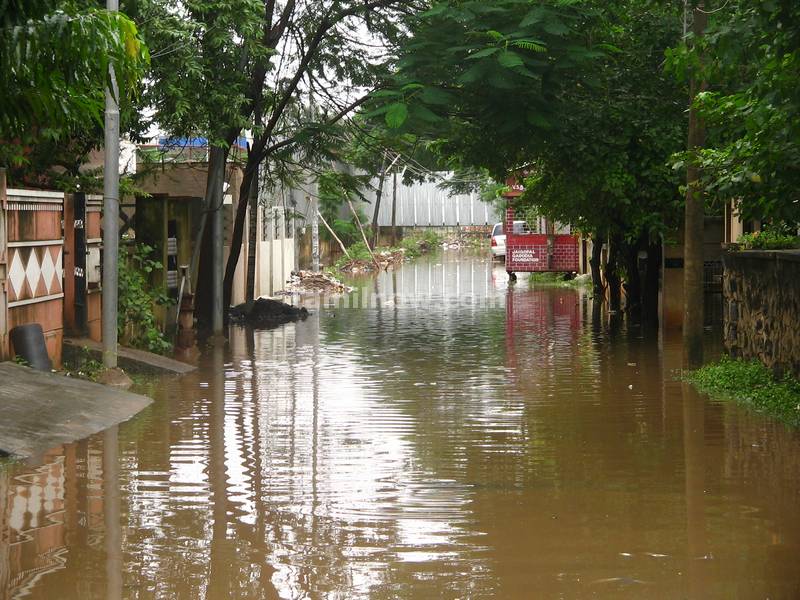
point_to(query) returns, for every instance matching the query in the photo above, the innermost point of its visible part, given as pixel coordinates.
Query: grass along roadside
(559, 280)
(750, 383)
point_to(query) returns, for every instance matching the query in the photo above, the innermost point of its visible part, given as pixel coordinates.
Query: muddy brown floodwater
(451, 439)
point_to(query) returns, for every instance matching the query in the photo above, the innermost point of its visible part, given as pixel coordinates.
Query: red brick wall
(528, 253)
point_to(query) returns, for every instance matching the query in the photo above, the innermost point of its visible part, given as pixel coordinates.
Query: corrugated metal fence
(426, 205)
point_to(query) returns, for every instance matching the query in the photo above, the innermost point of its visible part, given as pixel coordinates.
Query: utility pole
(111, 216)
(394, 209)
(314, 235)
(694, 219)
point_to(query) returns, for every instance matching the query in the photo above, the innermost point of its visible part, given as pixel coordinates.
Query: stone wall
(762, 308)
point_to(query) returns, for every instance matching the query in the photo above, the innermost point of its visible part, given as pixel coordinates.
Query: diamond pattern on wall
(16, 276)
(58, 279)
(35, 272)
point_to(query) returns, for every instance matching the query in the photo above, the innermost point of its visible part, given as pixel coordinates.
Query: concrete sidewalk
(129, 359)
(39, 411)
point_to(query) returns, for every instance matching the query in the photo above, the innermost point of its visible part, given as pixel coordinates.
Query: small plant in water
(560, 279)
(752, 384)
(86, 366)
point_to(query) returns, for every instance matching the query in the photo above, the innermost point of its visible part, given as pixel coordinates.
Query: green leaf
(483, 53)
(425, 114)
(532, 45)
(510, 59)
(611, 48)
(556, 27)
(386, 94)
(534, 16)
(436, 96)
(377, 112)
(396, 115)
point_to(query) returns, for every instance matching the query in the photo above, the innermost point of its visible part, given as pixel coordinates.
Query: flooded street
(448, 438)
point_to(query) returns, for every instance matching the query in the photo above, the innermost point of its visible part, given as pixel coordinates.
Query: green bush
(420, 242)
(411, 247)
(430, 238)
(359, 251)
(347, 231)
(137, 325)
(752, 384)
(773, 238)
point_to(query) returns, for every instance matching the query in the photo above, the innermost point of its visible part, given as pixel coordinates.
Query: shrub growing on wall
(138, 299)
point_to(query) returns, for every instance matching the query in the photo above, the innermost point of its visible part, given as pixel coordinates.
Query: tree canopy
(54, 68)
(751, 59)
(479, 78)
(572, 93)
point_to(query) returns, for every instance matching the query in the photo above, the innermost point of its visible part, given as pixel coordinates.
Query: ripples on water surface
(503, 446)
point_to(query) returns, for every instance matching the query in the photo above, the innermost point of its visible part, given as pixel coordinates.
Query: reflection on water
(481, 441)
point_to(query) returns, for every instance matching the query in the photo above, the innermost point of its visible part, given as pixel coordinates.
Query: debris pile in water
(383, 258)
(460, 242)
(454, 244)
(308, 282)
(266, 313)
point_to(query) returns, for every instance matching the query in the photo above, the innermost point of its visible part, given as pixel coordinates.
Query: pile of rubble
(308, 282)
(266, 313)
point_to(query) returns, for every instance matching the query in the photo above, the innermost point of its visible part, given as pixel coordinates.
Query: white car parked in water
(498, 241)
(499, 238)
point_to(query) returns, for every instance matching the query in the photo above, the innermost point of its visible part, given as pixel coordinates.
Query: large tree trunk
(612, 273)
(207, 207)
(252, 240)
(693, 320)
(216, 175)
(652, 283)
(250, 174)
(633, 280)
(594, 263)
